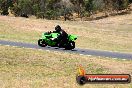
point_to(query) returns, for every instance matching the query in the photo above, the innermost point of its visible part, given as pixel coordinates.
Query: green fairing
(72, 37)
(46, 37)
(54, 35)
(51, 35)
(43, 36)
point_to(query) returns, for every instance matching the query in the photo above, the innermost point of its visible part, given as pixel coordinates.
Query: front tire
(41, 43)
(70, 46)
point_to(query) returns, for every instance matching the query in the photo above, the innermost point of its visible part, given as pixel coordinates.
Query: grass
(32, 68)
(112, 34)
(9, 33)
(29, 68)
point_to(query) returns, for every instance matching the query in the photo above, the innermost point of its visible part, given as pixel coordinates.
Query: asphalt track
(76, 50)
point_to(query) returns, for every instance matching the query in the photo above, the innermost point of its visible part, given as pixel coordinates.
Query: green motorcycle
(47, 39)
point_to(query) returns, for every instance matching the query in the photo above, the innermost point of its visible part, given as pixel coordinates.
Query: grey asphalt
(76, 50)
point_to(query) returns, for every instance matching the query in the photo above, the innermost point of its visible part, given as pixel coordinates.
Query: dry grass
(113, 33)
(28, 68)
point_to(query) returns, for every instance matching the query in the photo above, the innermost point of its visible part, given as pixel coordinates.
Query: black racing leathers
(62, 38)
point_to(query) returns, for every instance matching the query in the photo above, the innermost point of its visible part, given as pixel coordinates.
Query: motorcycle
(50, 39)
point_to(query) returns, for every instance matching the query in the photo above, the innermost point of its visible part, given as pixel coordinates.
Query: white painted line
(48, 50)
(81, 54)
(7, 45)
(89, 55)
(55, 52)
(124, 59)
(114, 58)
(30, 48)
(13, 46)
(40, 49)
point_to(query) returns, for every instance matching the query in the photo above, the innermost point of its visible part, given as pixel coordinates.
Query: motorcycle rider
(62, 38)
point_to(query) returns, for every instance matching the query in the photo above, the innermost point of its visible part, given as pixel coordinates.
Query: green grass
(9, 33)
(102, 36)
(29, 68)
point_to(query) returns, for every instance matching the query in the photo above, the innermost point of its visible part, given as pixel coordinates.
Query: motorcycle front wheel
(70, 46)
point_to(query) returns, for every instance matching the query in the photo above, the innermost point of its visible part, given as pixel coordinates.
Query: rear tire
(41, 43)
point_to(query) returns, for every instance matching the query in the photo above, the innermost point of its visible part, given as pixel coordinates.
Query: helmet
(58, 28)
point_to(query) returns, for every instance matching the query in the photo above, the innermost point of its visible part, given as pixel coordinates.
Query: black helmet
(58, 28)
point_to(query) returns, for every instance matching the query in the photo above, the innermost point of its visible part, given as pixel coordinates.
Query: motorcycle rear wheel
(41, 43)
